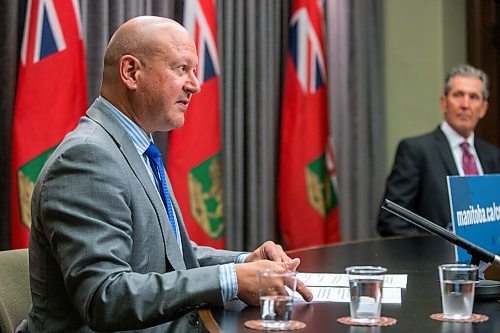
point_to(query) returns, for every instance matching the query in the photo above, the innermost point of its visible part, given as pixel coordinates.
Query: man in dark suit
(418, 178)
(108, 248)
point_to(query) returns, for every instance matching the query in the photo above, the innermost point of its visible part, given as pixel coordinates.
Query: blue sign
(475, 211)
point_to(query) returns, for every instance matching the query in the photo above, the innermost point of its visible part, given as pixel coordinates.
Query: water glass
(365, 287)
(457, 283)
(276, 289)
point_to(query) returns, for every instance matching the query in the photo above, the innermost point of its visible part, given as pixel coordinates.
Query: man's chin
(178, 124)
(464, 130)
(170, 126)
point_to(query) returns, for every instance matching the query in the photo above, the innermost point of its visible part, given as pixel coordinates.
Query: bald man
(104, 254)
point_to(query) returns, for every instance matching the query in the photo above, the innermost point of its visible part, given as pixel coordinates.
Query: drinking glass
(457, 283)
(276, 289)
(365, 287)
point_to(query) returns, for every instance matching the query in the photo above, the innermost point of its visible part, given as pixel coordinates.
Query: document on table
(335, 287)
(341, 280)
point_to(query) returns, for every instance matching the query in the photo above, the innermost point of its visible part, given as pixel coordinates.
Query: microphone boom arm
(477, 252)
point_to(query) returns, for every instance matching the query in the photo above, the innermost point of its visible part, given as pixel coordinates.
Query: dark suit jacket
(418, 180)
(102, 253)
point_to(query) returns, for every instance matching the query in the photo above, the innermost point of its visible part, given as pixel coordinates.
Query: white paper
(341, 294)
(330, 287)
(341, 280)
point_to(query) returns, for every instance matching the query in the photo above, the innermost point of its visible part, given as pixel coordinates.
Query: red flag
(194, 155)
(51, 96)
(307, 198)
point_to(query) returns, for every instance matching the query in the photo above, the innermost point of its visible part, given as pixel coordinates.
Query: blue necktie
(156, 163)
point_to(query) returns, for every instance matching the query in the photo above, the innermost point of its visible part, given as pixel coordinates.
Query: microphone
(477, 252)
(485, 289)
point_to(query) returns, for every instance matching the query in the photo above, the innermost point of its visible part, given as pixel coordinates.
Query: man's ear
(129, 67)
(443, 103)
(484, 110)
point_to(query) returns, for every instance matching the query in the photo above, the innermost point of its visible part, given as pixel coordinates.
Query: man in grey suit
(418, 178)
(103, 254)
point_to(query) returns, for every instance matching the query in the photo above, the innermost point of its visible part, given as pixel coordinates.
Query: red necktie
(468, 163)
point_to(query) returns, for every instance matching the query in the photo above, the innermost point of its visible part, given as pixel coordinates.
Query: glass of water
(365, 287)
(457, 283)
(276, 289)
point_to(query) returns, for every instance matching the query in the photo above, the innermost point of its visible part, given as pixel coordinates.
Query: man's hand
(274, 252)
(248, 288)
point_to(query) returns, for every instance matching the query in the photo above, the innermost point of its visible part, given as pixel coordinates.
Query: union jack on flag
(49, 37)
(198, 26)
(306, 52)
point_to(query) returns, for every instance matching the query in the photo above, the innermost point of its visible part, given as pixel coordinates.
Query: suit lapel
(100, 114)
(189, 256)
(486, 160)
(443, 148)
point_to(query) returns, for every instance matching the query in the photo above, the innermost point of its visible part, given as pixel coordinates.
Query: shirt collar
(139, 137)
(454, 138)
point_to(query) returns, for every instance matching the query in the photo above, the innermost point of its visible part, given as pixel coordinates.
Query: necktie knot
(465, 147)
(152, 152)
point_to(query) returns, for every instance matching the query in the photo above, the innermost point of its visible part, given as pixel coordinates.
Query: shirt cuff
(228, 281)
(241, 258)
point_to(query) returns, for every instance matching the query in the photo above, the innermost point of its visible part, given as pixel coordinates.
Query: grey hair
(467, 70)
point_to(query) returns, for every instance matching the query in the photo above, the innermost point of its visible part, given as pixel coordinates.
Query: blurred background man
(418, 177)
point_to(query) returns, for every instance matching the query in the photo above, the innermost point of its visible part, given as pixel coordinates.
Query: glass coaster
(383, 321)
(262, 325)
(475, 318)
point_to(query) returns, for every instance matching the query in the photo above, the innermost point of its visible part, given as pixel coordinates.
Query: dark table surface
(416, 256)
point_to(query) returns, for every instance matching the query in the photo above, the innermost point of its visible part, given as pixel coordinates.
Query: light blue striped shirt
(141, 141)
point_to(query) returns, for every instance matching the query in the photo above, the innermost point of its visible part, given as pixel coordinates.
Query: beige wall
(423, 40)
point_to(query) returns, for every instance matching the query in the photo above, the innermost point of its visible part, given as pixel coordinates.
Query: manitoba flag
(194, 155)
(307, 197)
(51, 96)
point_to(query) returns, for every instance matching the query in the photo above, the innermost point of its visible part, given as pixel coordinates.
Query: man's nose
(192, 84)
(465, 103)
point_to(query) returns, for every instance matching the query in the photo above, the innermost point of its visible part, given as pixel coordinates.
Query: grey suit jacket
(418, 179)
(103, 256)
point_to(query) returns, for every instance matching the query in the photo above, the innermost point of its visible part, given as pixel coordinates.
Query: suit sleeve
(208, 256)
(84, 204)
(402, 188)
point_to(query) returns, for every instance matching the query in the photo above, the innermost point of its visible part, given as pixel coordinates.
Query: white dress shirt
(454, 140)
